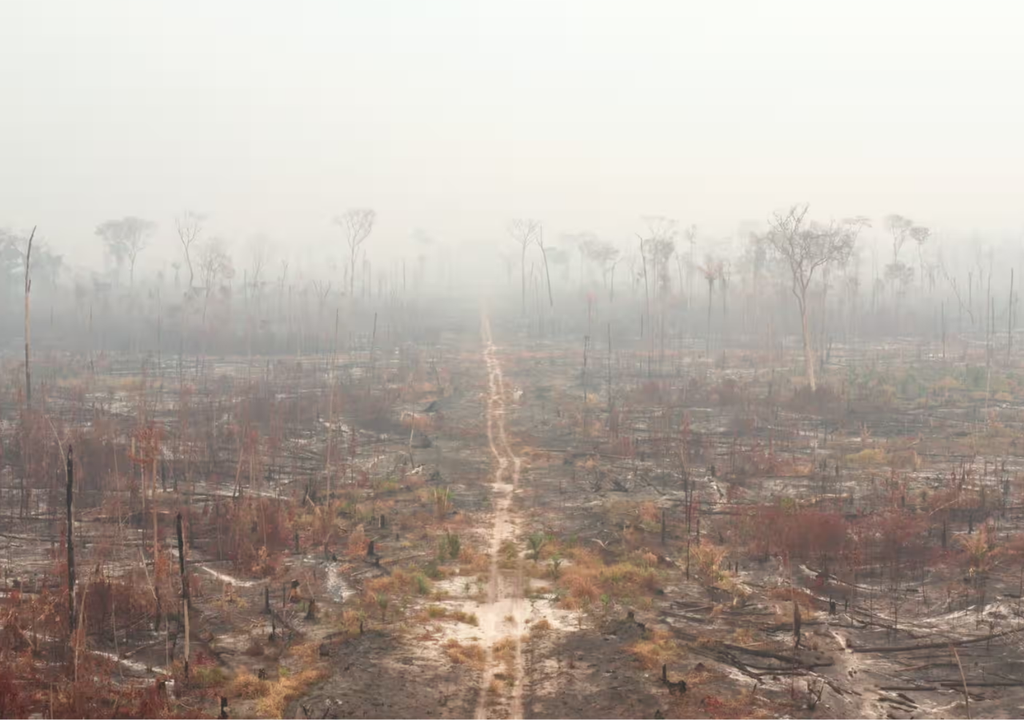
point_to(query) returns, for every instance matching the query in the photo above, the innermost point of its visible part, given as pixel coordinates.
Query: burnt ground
(564, 597)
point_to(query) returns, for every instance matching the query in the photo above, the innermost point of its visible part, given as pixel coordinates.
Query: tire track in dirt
(504, 613)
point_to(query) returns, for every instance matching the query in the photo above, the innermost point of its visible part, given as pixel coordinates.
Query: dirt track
(503, 614)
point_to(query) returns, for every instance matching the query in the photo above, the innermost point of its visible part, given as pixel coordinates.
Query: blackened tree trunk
(184, 588)
(28, 323)
(71, 543)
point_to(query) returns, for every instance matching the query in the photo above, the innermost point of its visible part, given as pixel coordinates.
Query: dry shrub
(707, 557)
(626, 578)
(740, 706)
(248, 686)
(584, 558)
(646, 559)
(15, 698)
(308, 653)
(470, 654)
(133, 603)
(804, 599)
(541, 626)
(649, 513)
(655, 650)
(275, 701)
(582, 587)
(904, 460)
(504, 650)
(473, 562)
(254, 648)
(439, 612)
(357, 542)
(465, 617)
(871, 456)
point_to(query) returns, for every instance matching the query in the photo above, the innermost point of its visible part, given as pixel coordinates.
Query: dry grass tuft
(540, 627)
(465, 654)
(248, 686)
(654, 650)
(275, 701)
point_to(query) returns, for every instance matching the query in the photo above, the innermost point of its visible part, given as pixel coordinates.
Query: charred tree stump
(677, 687)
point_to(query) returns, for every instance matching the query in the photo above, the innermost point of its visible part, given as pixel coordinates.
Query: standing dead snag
(797, 622)
(547, 274)
(524, 232)
(71, 543)
(189, 226)
(806, 247)
(184, 588)
(28, 322)
(963, 679)
(357, 224)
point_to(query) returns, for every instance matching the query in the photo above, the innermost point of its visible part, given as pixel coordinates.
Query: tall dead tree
(806, 247)
(356, 224)
(711, 270)
(189, 226)
(125, 239)
(28, 322)
(525, 232)
(899, 228)
(547, 274)
(70, 469)
(184, 587)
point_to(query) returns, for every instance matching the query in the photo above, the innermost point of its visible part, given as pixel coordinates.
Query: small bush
(655, 650)
(469, 654)
(207, 676)
(247, 686)
(275, 700)
(875, 456)
(541, 626)
(423, 586)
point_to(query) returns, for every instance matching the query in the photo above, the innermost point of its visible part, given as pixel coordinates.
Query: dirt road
(503, 615)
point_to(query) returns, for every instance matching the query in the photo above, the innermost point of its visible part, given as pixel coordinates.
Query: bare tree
(356, 224)
(712, 271)
(28, 323)
(547, 273)
(899, 228)
(259, 256)
(920, 234)
(189, 226)
(600, 253)
(806, 247)
(125, 239)
(691, 243)
(657, 249)
(214, 265)
(524, 232)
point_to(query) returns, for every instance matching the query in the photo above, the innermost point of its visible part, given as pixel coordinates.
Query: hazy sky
(454, 116)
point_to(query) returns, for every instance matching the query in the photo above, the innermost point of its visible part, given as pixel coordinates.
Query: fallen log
(933, 646)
